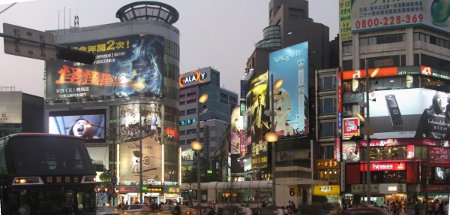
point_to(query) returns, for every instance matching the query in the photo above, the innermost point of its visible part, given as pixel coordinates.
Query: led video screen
(289, 66)
(408, 113)
(126, 66)
(87, 124)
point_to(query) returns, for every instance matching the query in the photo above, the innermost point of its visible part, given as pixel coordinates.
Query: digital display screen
(440, 173)
(87, 124)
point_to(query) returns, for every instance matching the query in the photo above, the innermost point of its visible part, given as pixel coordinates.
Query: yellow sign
(327, 164)
(327, 190)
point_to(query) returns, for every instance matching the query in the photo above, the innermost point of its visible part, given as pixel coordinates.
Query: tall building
(290, 54)
(209, 122)
(396, 62)
(20, 112)
(125, 104)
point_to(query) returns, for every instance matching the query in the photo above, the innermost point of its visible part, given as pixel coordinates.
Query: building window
(191, 111)
(182, 112)
(327, 129)
(327, 105)
(327, 83)
(224, 98)
(327, 152)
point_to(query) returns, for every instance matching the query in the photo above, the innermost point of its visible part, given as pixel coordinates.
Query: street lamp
(271, 136)
(197, 145)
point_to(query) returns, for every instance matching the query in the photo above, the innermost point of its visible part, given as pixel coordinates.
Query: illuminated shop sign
(395, 71)
(351, 128)
(384, 166)
(327, 164)
(406, 141)
(194, 77)
(326, 190)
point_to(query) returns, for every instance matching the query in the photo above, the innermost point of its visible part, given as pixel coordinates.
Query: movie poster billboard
(86, 124)
(290, 100)
(407, 113)
(140, 122)
(124, 67)
(234, 131)
(259, 122)
(370, 15)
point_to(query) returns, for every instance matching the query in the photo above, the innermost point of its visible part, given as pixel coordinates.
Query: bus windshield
(50, 156)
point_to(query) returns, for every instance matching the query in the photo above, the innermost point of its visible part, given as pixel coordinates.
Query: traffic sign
(29, 43)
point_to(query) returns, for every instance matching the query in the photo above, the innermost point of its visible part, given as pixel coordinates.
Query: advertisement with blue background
(126, 66)
(291, 99)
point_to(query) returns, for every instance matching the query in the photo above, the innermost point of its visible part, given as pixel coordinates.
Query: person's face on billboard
(441, 100)
(80, 128)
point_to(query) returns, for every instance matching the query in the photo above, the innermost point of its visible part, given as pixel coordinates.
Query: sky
(217, 33)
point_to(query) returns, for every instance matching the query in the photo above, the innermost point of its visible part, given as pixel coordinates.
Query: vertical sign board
(337, 147)
(290, 100)
(345, 20)
(258, 103)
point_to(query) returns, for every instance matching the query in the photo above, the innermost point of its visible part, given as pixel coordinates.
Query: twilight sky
(217, 33)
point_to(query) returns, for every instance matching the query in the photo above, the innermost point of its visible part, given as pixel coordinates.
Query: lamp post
(197, 145)
(272, 137)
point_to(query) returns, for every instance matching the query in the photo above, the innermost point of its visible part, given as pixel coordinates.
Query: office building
(127, 100)
(397, 53)
(20, 112)
(208, 121)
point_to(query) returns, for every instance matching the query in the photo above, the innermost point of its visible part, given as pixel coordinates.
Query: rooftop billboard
(382, 15)
(124, 67)
(290, 100)
(193, 78)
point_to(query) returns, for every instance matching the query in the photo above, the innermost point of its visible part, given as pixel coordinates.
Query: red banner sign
(384, 166)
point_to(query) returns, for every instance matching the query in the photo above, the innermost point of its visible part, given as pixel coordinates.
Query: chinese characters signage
(367, 15)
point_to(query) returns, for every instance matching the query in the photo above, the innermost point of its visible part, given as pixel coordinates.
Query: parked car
(365, 211)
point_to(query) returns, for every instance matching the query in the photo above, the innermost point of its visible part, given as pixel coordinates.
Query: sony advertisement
(369, 15)
(124, 67)
(140, 122)
(259, 122)
(290, 65)
(406, 113)
(87, 124)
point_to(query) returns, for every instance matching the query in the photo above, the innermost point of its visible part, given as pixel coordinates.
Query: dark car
(365, 211)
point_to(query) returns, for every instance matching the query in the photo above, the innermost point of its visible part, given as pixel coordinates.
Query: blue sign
(290, 65)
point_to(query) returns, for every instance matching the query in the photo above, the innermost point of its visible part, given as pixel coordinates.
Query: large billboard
(124, 67)
(140, 122)
(370, 15)
(290, 100)
(407, 113)
(86, 124)
(259, 122)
